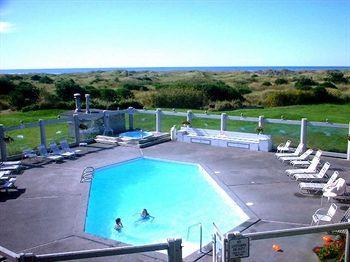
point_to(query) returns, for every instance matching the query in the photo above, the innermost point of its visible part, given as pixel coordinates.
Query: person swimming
(144, 216)
(118, 224)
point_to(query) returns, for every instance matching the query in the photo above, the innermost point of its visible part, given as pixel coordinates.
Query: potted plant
(186, 123)
(332, 250)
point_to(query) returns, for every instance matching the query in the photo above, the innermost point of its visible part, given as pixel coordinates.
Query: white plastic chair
(284, 147)
(297, 152)
(322, 214)
(313, 176)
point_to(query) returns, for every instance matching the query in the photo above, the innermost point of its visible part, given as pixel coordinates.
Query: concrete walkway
(48, 213)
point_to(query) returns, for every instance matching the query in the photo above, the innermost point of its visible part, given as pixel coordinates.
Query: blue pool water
(135, 134)
(178, 195)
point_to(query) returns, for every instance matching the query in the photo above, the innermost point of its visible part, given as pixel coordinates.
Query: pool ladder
(200, 234)
(87, 175)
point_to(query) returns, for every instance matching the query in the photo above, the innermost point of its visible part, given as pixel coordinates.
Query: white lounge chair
(5, 185)
(5, 173)
(43, 152)
(305, 162)
(10, 163)
(281, 148)
(11, 167)
(313, 177)
(303, 156)
(65, 147)
(323, 214)
(56, 151)
(316, 188)
(297, 152)
(312, 168)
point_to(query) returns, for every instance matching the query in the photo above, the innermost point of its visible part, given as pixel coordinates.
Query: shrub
(227, 105)
(178, 98)
(281, 81)
(134, 86)
(290, 97)
(305, 83)
(94, 92)
(45, 80)
(266, 83)
(328, 85)
(123, 93)
(66, 88)
(6, 85)
(336, 76)
(35, 77)
(243, 89)
(23, 95)
(108, 94)
(4, 105)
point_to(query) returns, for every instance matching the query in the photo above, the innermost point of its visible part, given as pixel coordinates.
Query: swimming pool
(135, 134)
(178, 195)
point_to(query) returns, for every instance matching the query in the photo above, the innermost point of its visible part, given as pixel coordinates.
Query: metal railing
(173, 247)
(159, 114)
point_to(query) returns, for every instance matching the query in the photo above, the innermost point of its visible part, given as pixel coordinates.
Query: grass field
(325, 138)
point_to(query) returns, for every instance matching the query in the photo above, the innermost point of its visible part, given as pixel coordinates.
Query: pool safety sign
(238, 247)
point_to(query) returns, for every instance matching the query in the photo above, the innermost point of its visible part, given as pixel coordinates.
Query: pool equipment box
(254, 142)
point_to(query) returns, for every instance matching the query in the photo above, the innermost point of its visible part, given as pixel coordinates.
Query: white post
(87, 98)
(189, 116)
(2, 143)
(76, 128)
(158, 120)
(42, 132)
(303, 133)
(348, 155)
(223, 122)
(77, 103)
(261, 121)
(131, 118)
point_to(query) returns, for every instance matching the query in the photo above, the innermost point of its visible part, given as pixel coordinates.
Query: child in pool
(118, 224)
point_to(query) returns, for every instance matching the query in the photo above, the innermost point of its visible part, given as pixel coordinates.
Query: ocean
(159, 69)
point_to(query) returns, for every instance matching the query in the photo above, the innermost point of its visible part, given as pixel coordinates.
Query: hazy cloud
(6, 27)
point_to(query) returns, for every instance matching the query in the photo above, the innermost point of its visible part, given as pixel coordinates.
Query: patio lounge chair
(317, 188)
(4, 173)
(7, 184)
(281, 148)
(320, 176)
(323, 214)
(306, 162)
(297, 152)
(312, 168)
(8, 166)
(303, 156)
(65, 147)
(43, 152)
(56, 151)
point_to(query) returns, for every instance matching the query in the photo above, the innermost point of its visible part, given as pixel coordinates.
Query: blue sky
(59, 34)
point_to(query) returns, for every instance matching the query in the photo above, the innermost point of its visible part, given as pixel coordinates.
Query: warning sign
(238, 247)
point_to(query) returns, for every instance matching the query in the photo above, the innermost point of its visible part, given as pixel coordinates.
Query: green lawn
(325, 138)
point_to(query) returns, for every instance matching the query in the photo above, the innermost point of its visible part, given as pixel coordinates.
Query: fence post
(189, 116)
(42, 132)
(223, 122)
(87, 97)
(131, 118)
(348, 154)
(261, 121)
(76, 128)
(303, 132)
(174, 250)
(158, 120)
(2, 143)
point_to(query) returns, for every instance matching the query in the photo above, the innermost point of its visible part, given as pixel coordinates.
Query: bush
(123, 93)
(108, 94)
(243, 89)
(227, 105)
(4, 105)
(23, 95)
(328, 84)
(336, 76)
(281, 81)
(35, 77)
(305, 83)
(94, 92)
(178, 98)
(266, 83)
(6, 85)
(134, 86)
(45, 80)
(66, 88)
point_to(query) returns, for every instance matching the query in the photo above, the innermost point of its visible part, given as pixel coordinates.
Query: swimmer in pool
(118, 224)
(145, 216)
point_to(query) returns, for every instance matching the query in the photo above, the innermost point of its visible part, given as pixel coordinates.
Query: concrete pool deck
(48, 213)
